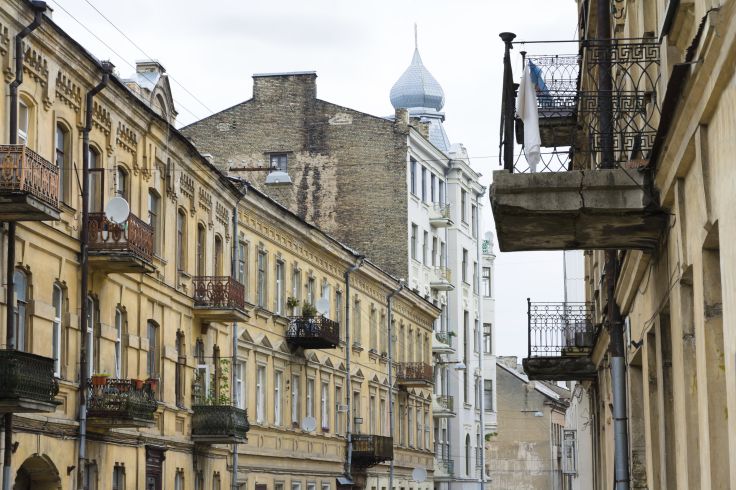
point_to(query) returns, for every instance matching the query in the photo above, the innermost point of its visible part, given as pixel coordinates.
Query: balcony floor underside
(24, 206)
(572, 368)
(116, 261)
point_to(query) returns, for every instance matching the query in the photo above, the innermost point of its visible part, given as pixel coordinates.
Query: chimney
(282, 87)
(401, 120)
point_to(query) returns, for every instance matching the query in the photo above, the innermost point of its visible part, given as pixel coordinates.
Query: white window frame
(278, 377)
(295, 400)
(119, 319)
(240, 385)
(24, 118)
(261, 394)
(324, 404)
(280, 287)
(58, 300)
(310, 397)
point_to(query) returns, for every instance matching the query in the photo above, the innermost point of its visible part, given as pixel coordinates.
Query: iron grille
(313, 327)
(218, 292)
(123, 399)
(134, 236)
(560, 329)
(220, 421)
(24, 170)
(27, 376)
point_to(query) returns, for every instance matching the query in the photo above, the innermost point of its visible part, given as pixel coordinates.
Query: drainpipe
(389, 301)
(38, 9)
(84, 352)
(233, 388)
(348, 347)
(481, 388)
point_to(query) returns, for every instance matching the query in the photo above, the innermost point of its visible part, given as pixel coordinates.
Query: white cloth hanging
(526, 108)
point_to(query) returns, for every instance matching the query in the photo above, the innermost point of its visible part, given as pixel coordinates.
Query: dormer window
(279, 162)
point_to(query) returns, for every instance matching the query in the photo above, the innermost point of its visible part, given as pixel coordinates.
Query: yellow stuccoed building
(165, 403)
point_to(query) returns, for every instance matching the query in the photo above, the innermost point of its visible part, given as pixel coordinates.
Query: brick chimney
(279, 87)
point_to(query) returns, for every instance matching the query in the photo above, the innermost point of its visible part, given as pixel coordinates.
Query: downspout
(389, 301)
(349, 388)
(38, 10)
(84, 352)
(481, 388)
(233, 388)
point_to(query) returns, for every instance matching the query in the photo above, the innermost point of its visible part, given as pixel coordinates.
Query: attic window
(279, 162)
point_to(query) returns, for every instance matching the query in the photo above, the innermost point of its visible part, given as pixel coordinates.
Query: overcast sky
(358, 49)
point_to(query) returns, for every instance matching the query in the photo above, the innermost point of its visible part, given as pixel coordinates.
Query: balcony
(313, 332)
(561, 340)
(439, 216)
(29, 185)
(444, 468)
(442, 343)
(442, 280)
(443, 406)
(125, 247)
(370, 450)
(27, 383)
(219, 424)
(218, 299)
(592, 187)
(414, 374)
(118, 403)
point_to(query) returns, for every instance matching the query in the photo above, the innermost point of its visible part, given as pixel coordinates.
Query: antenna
(323, 306)
(117, 210)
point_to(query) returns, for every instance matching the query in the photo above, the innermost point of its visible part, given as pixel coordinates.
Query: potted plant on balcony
(292, 303)
(308, 309)
(99, 379)
(138, 383)
(152, 384)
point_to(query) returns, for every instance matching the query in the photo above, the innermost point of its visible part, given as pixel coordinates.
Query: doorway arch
(37, 472)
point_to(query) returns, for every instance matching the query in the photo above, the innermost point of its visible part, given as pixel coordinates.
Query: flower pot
(99, 379)
(138, 384)
(152, 384)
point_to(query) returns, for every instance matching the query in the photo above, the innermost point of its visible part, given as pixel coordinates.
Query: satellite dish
(117, 210)
(419, 474)
(278, 178)
(309, 424)
(323, 306)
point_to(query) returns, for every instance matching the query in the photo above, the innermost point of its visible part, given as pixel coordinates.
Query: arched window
(57, 299)
(154, 218)
(153, 350)
(63, 159)
(96, 178)
(201, 249)
(467, 455)
(20, 283)
(218, 256)
(24, 123)
(181, 244)
(121, 182)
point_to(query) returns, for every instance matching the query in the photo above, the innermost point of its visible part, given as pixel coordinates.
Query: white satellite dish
(309, 424)
(117, 210)
(323, 306)
(419, 474)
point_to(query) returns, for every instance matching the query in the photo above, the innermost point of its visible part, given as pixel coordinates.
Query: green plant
(292, 302)
(451, 333)
(218, 392)
(308, 309)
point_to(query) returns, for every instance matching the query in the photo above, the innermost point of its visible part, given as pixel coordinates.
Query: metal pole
(507, 110)
(84, 354)
(389, 301)
(38, 9)
(481, 388)
(233, 388)
(348, 380)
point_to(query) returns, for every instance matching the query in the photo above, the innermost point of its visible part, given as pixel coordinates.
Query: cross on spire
(416, 41)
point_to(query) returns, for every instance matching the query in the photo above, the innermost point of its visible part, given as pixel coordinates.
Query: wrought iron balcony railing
(444, 337)
(446, 467)
(219, 424)
(29, 184)
(370, 450)
(313, 332)
(121, 403)
(218, 292)
(597, 109)
(445, 402)
(439, 215)
(27, 382)
(133, 238)
(411, 373)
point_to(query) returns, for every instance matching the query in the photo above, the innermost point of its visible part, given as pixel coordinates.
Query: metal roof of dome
(417, 87)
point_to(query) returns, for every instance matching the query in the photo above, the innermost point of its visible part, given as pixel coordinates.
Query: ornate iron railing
(608, 94)
(444, 337)
(220, 421)
(218, 292)
(313, 327)
(28, 376)
(121, 399)
(446, 402)
(440, 211)
(369, 449)
(446, 466)
(444, 274)
(560, 329)
(134, 236)
(24, 170)
(413, 372)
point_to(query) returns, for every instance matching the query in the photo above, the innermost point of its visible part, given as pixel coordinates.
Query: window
(432, 185)
(338, 306)
(443, 254)
(383, 429)
(488, 395)
(425, 249)
(181, 245)
(338, 403)
(218, 266)
(23, 123)
(121, 183)
(57, 300)
(242, 263)
(467, 454)
(356, 410)
(201, 249)
(153, 347)
(280, 288)
(424, 184)
(279, 162)
(383, 333)
(93, 350)
(474, 220)
(413, 244)
(326, 293)
(91, 476)
(154, 216)
(119, 321)
(181, 362)
(310, 397)
(434, 251)
(488, 338)
(466, 354)
(413, 176)
(410, 425)
(216, 484)
(261, 394)
(310, 290)
(95, 196)
(463, 206)
(118, 477)
(373, 327)
(465, 266)
(324, 403)
(178, 479)
(200, 388)
(486, 279)
(63, 154)
(372, 414)
(199, 480)
(240, 385)
(277, 379)
(296, 485)
(441, 188)
(356, 323)
(295, 400)
(475, 277)
(261, 286)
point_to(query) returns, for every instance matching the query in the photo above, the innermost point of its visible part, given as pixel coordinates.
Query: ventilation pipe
(349, 388)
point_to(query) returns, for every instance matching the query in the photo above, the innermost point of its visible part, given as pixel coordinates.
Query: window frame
(57, 303)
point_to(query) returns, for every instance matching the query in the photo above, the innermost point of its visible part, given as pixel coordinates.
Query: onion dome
(417, 88)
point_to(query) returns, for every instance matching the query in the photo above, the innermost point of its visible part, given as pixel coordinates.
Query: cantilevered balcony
(313, 332)
(218, 299)
(219, 424)
(439, 216)
(125, 247)
(27, 383)
(442, 343)
(443, 406)
(120, 403)
(29, 185)
(370, 450)
(592, 188)
(443, 468)
(442, 280)
(414, 374)
(561, 340)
